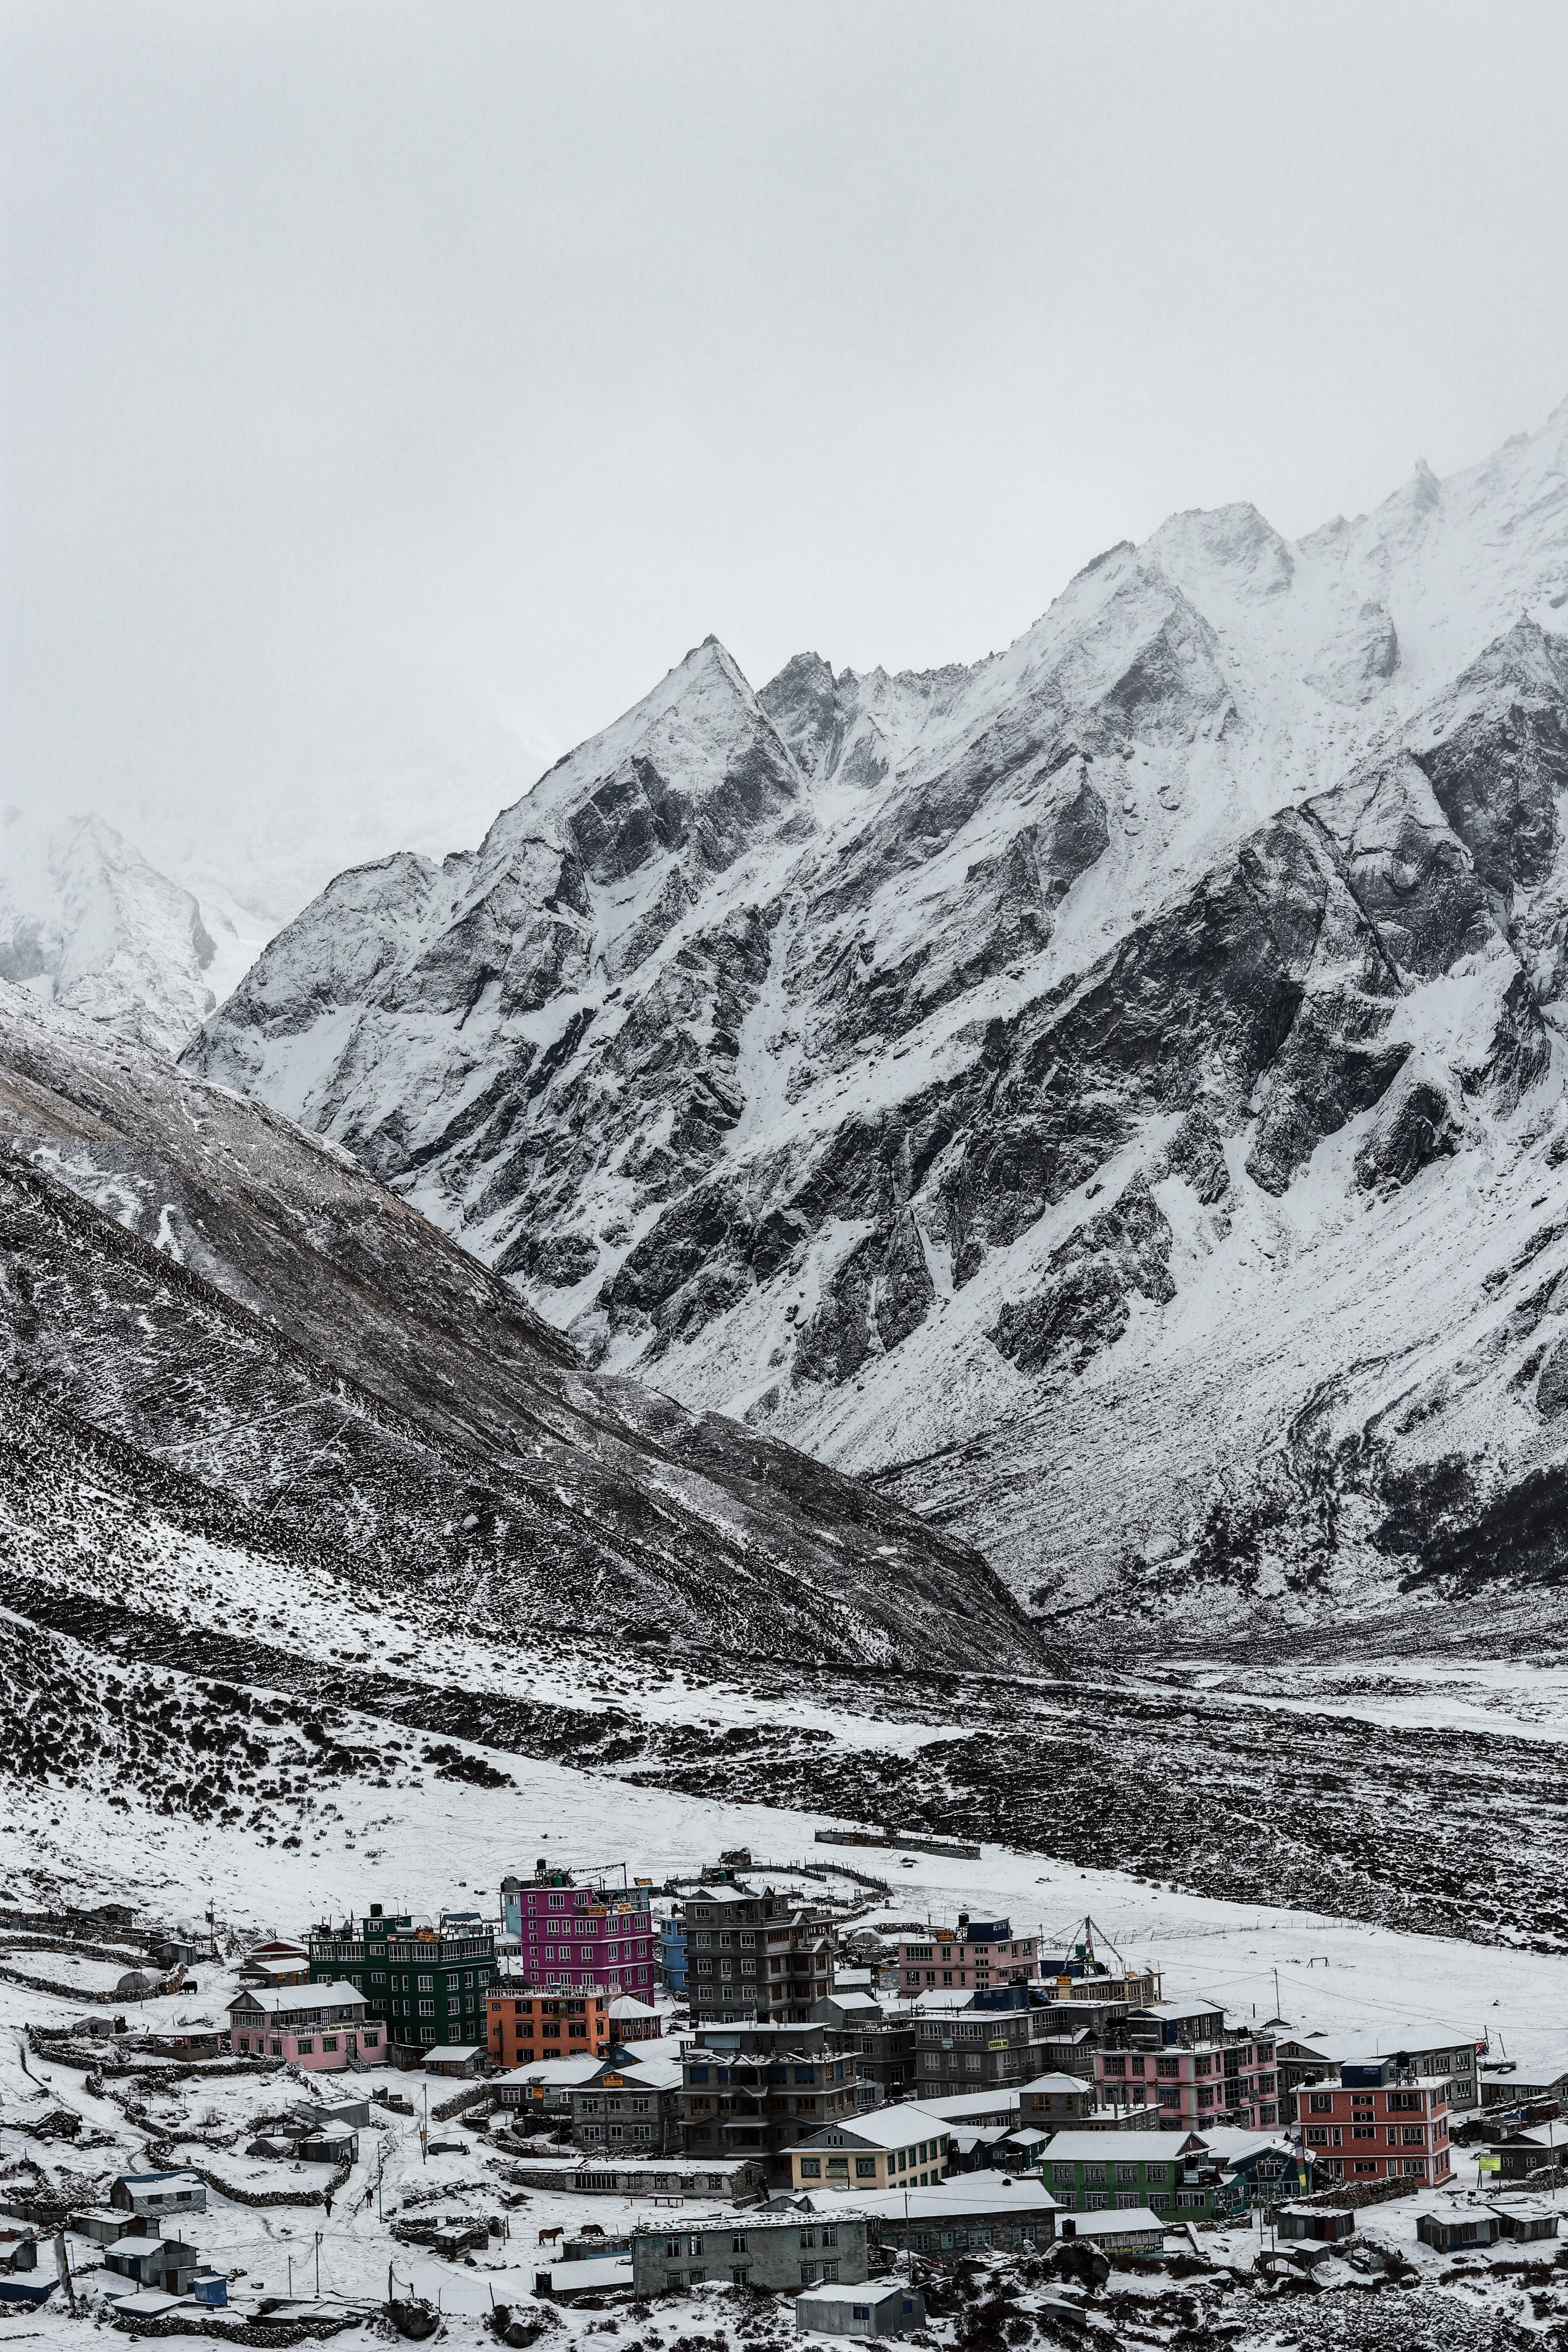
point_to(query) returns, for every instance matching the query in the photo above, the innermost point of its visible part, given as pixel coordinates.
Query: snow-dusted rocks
(1075, 1087)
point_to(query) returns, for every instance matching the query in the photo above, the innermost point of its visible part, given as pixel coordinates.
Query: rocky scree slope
(1112, 1093)
(274, 1354)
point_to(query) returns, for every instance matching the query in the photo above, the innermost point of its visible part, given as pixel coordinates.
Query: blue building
(672, 1955)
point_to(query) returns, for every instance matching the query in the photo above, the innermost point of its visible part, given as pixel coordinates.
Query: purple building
(579, 1935)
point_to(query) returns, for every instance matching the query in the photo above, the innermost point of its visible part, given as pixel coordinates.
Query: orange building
(526, 2025)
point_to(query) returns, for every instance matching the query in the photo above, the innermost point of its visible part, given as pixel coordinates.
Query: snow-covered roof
(1379, 2042)
(871, 2296)
(1054, 2085)
(1231, 2144)
(626, 2004)
(1176, 2012)
(181, 2177)
(271, 2000)
(451, 2053)
(977, 2107)
(593, 2273)
(961, 2194)
(896, 2127)
(555, 2073)
(1111, 2224)
(1123, 2146)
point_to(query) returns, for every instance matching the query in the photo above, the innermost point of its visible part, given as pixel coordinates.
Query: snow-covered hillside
(1112, 1093)
(224, 1342)
(85, 922)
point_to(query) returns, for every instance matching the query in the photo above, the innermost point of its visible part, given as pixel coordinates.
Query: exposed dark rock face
(1196, 1154)
(1083, 1305)
(1418, 1121)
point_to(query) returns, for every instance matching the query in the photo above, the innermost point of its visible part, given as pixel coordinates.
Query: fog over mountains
(1111, 1094)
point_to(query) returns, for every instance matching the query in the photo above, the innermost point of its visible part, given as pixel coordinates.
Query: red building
(1376, 2123)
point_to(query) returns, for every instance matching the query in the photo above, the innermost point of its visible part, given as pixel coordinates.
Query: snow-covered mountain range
(1112, 1093)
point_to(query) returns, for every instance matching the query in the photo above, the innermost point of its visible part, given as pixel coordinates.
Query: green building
(1173, 2173)
(429, 1983)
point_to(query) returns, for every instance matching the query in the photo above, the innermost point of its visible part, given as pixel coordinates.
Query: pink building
(1231, 2079)
(318, 2026)
(580, 1936)
(977, 1953)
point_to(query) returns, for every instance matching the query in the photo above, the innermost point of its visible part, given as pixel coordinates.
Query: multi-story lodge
(1446, 2059)
(979, 2041)
(751, 2089)
(750, 1955)
(1194, 2069)
(901, 2146)
(630, 2107)
(1378, 2122)
(577, 1936)
(977, 1953)
(524, 2026)
(884, 2046)
(428, 1982)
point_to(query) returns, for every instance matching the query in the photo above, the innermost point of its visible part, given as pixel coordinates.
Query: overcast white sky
(392, 393)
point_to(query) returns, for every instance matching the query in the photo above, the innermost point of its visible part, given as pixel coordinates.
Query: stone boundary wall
(1353, 2195)
(243, 2331)
(160, 2156)
(463, 2102)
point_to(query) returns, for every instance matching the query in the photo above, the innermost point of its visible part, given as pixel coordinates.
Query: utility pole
(318, 2266)
(63, 2267)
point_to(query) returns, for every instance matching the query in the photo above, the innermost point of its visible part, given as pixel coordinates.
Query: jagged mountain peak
(85, 921)
(1234, 543)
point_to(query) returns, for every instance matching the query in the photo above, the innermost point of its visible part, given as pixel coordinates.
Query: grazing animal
(546, 2235)
(590, 2230)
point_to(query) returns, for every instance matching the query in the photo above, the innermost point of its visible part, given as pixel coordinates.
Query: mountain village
(752, 2099)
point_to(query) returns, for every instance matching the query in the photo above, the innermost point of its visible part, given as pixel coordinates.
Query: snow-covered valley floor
(452, 1843)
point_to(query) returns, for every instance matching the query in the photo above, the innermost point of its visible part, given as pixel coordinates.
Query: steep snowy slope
(1064, 1087)
(272, 1349)
(85, 922)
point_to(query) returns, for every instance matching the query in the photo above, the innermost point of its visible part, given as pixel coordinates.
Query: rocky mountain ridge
(230, 1354)
(1123, 1074)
